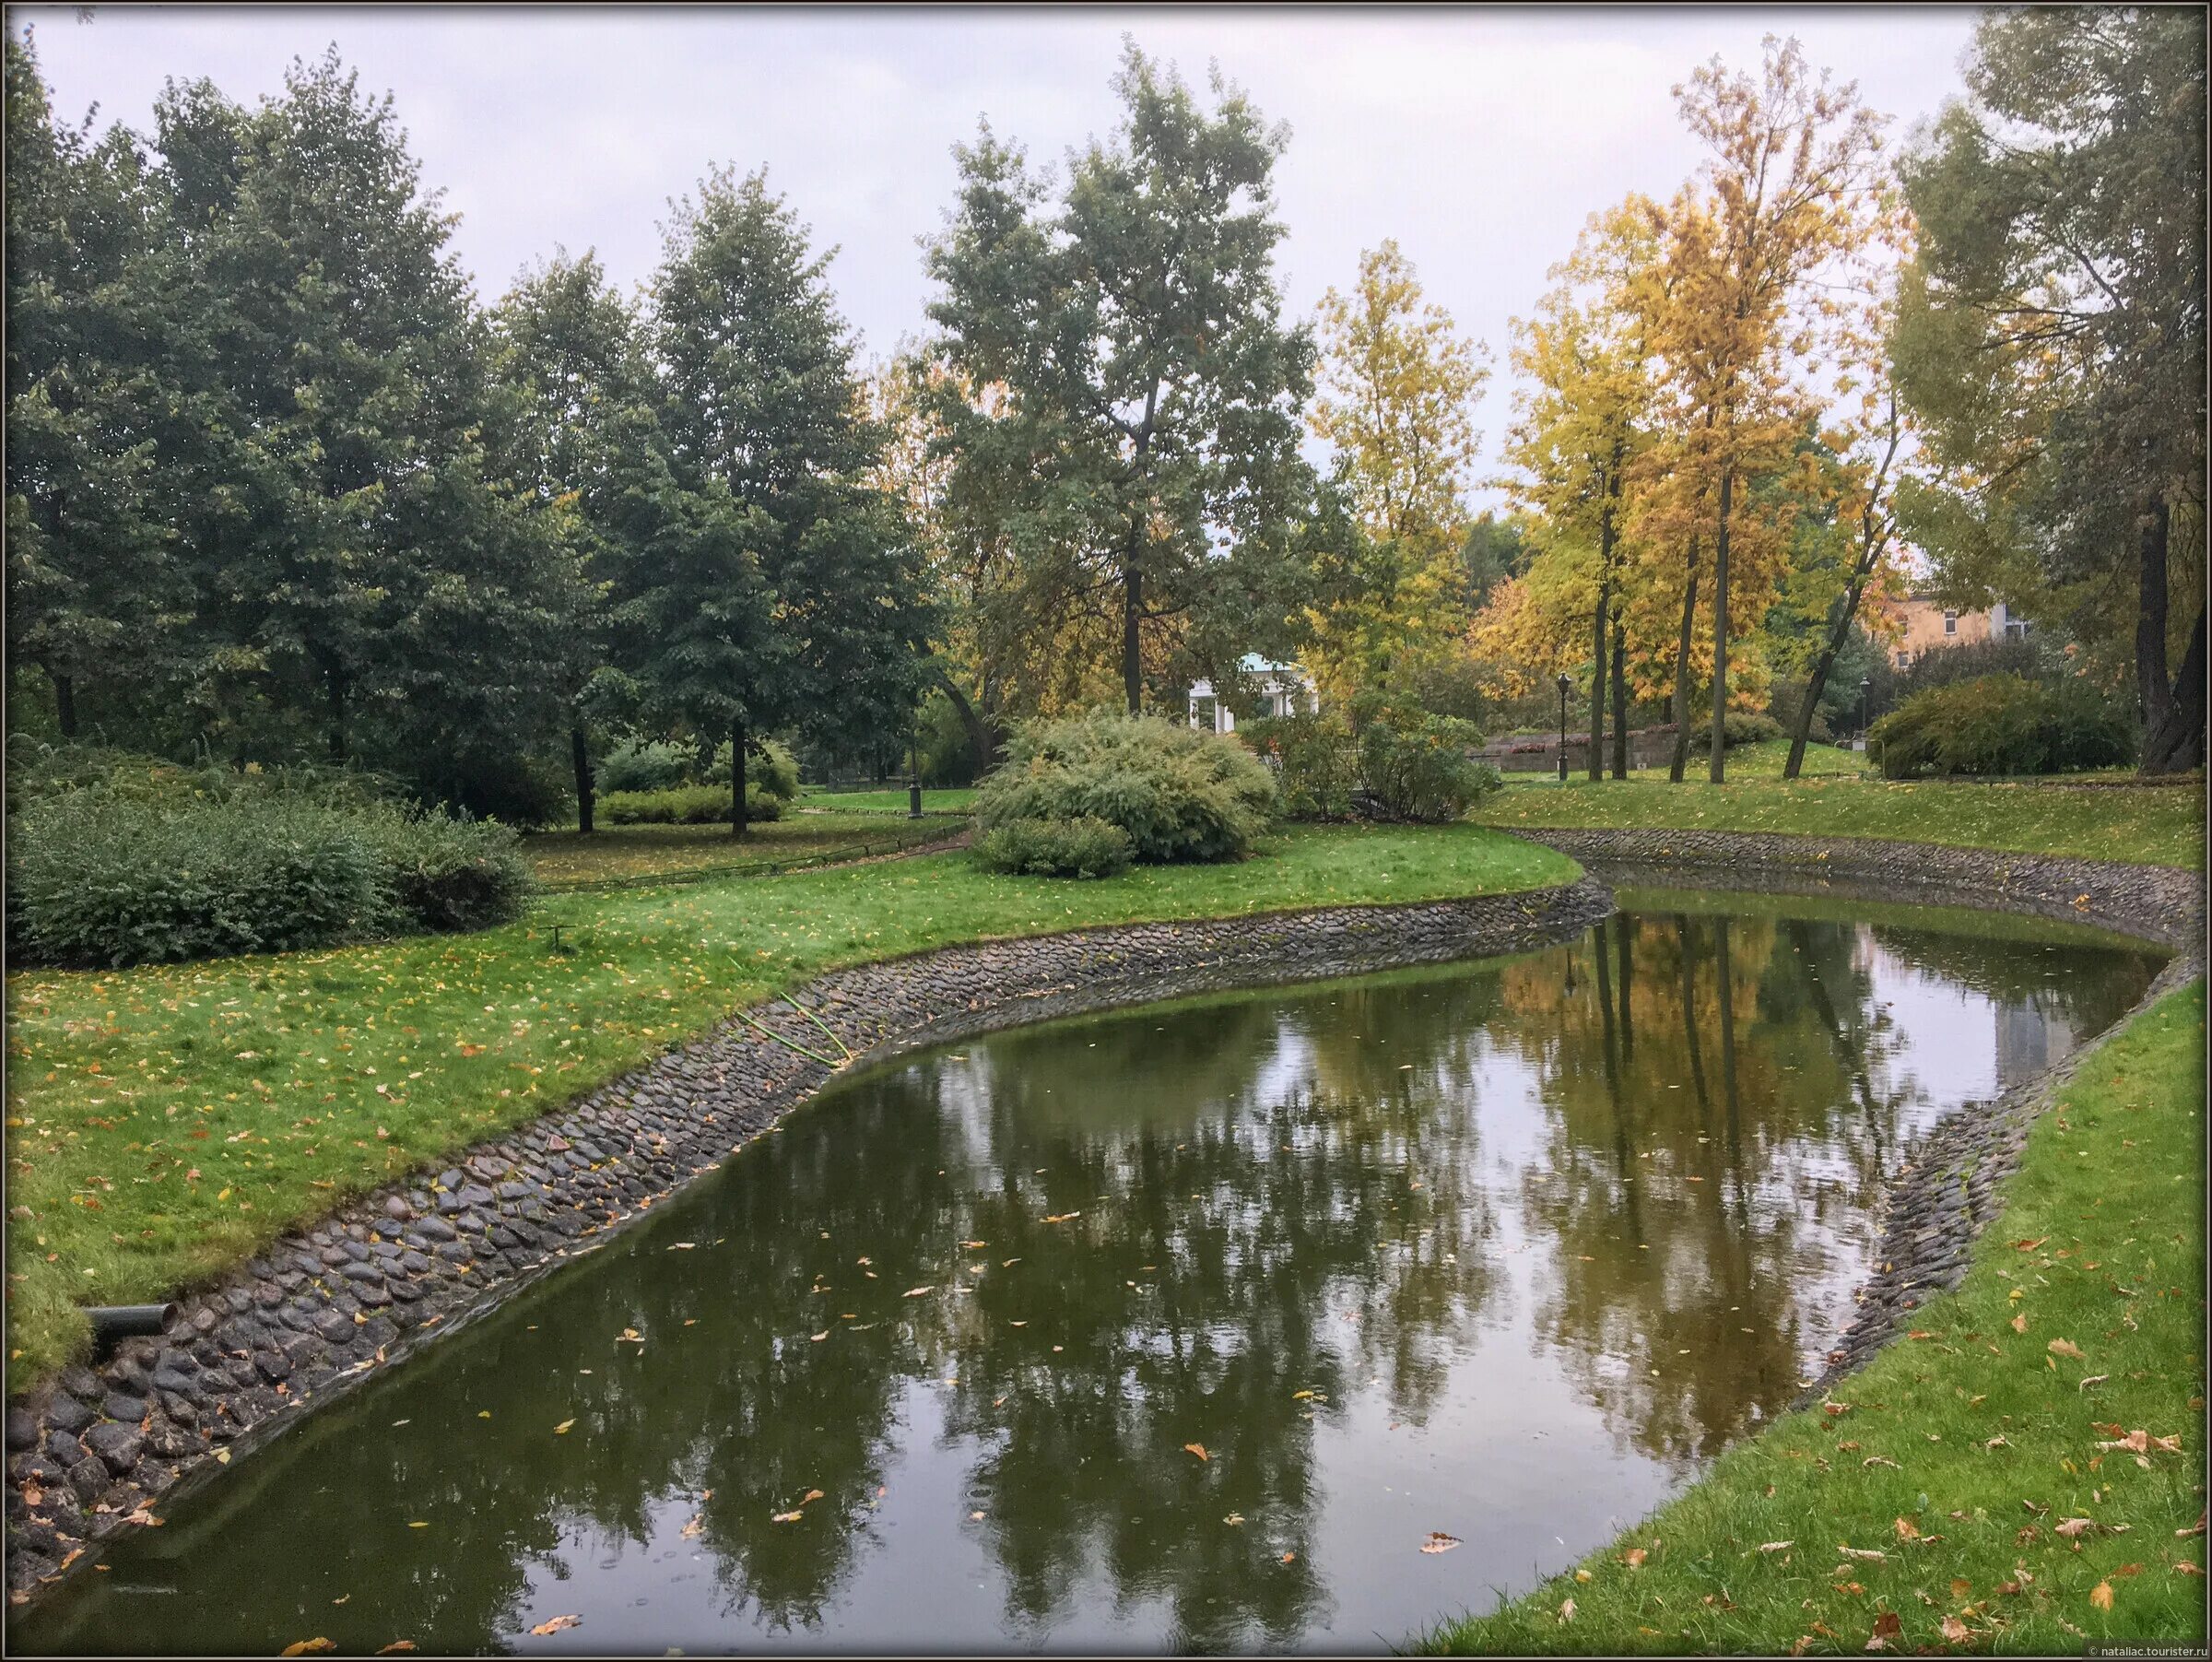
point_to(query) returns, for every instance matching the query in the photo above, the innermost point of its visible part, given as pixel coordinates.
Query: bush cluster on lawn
(104, 879)
(1742, 727)
(686, 805)
(648, 767)
(1405, 764)
(1080, 847)
(2000, 724)
(1179, 793)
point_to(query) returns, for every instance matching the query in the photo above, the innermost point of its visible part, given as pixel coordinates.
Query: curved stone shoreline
(325, 1308)
(1944, 1190)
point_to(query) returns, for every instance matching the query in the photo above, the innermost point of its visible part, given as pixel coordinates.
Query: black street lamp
(1564, 685)
(914, 766)
(1865, 692)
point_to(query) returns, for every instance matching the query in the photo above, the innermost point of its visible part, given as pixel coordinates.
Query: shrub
(686, 804)
(632, 766)
(1416, 766)
(1316, 771)
(445, 874)
(2000, 723)
(1179, 792)
(99, 880)
(1080, 847)
(1742, 727)
(774, 773)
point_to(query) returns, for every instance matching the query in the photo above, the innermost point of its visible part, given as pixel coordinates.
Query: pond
(1184, 1326)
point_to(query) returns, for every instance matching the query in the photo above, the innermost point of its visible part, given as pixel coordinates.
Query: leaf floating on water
(811, 1495)
(222, 1457)
(818, 1338)
(555, 1626)
(562, 1429)
(976, 1518)
(1063, 1216)
(1439, 1541)
(1234, 1518)
(1198, 1449)
(631, 1334)
(915, 1292)
(696, 1527)
(305, 1646)
(417, 1524)
(787, 1518)
(1289, 1557)
(971, 1245)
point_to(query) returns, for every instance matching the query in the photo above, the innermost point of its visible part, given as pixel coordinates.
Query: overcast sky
(1480, 139)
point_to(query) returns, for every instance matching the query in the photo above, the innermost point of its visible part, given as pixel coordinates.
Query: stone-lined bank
(324, 1308)
(1945, 1189)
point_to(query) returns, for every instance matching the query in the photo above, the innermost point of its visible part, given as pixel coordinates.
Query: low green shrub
(651, 766)
(1416, 766)
(2000, 724)
(686, 805)
(1742, 727)
(1179, 791)
(1316, 768)
(1080, 847)
(772, 770)
(448, 875)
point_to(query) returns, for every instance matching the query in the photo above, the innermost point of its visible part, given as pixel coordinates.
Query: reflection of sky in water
(1601, 1278)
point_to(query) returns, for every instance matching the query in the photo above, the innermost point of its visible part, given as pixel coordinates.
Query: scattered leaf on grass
(2102, 1595)
(2019, 1324)
(2067, 1347)
(2077, 1526)
(1633, 1558)
(1566, 1610)
(1956, 1631)
(1865, 1554)
(1776, 1546)
(555, 1626)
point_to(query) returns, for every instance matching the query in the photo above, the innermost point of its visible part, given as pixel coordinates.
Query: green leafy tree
(2051, 339)
(1141, 436)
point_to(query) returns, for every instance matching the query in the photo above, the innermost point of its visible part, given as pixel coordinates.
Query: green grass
(633, 854)
(2162, 825)
(949, 801)
(1973, 1432)
(165, 1122)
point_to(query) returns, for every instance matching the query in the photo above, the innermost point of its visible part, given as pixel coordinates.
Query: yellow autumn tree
(1395, 399)
(1582, 423)
(1791, 190)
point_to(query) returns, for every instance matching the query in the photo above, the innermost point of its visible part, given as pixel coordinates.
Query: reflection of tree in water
(1717, 1123)
(2046, 978)
(1273, 1245)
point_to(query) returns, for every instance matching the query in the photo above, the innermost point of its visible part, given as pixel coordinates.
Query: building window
(1202, 712)
(2016, 629)
(1950, 623)
(1904, 660)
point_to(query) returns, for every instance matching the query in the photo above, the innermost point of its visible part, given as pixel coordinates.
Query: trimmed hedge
(686, 805)
(1080, 847)
(2000, 724)
(1179, 794)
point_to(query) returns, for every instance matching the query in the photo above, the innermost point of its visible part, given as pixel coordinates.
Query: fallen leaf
(1633, 1558)
(2187, 1567)
(395, 1645)
(302, 1647)
(2102, 1595)
(1776, 1546)
(1907, 1530)
(2076, 1525)
(915, 1292)
(2065, 1346)
(2136, 1441)
(810, 1496)
(1192, 1448)
(1881, 1460)
(1439, 1541)
(1289, 1557)
(1234, 1518)
(696, 1527)
(562, 1429)
(2197, 1528)
(1960, 1589)
(1565, 1605)
(2019, 1324)
(555, 1626)
(1886, 1627)
(787, 1518)
(1956, 1631)
(1865, 1554)
(2126, 1570)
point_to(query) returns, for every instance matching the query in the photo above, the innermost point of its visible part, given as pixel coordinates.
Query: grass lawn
(1936, 1499)
(165, 1122)
(950, 801)
(2162, 825)
(630, 854)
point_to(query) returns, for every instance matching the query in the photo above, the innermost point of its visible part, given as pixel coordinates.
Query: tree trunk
(979, 735)
(1623, 950)
(1598, 686)
(2174, 712)
(1133, 611)
(1681, 712)
(1718, 769)
(334, 687)
(1620, 700)
(581, 756)
(1821, 669)
(65, 703)
(737, 778)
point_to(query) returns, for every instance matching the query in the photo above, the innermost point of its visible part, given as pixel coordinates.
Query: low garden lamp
(1564, 685)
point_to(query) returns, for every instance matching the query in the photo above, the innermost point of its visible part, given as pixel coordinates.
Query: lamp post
(913, 769)
(1865, 692)
(1564, 685)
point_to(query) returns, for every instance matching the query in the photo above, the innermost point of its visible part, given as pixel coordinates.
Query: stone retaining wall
(325, 1308)
(1944, 1190)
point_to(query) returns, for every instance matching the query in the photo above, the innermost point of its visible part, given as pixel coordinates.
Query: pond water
(1501, 1250)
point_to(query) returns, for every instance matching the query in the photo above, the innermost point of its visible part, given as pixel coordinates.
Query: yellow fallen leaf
(1776, 1546)
(2102, 1595)
(1633, 1558)
(303, 1646)
(555, 1626)
(696, 1527)
(812, 1494)
(1192, 1448)
(417, 1524)
(562, 1429)
(787, 1518)
(1439, 1541)
(2065, 1346)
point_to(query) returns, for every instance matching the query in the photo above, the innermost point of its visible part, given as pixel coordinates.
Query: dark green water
(1502, 1250)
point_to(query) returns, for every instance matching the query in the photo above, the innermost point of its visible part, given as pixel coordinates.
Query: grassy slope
(2155, 825)
(639, 853)
(2101, 1250)
(164, 1122)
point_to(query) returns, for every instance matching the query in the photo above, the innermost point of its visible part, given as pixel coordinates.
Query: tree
(1794, 184)
(92, 594)
(1142, 463)
(806, 592)
(1582, 423)
(1397, 396)
(2051, 339)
